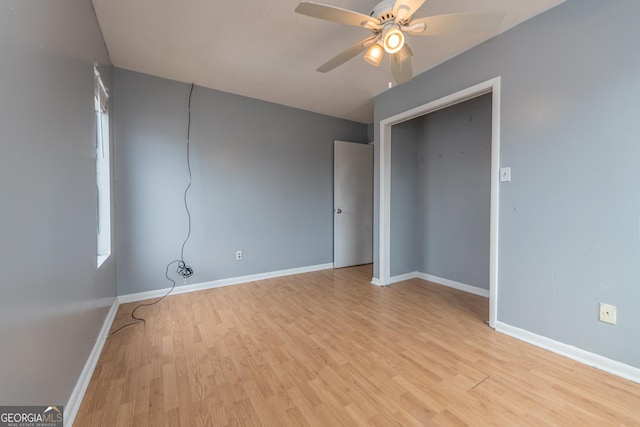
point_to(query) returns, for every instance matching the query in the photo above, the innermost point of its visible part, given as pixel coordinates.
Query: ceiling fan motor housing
(383, 11)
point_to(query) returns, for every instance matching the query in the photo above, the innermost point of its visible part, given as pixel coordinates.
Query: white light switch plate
(505, 174)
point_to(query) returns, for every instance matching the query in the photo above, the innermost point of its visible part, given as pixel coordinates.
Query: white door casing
(384, 231)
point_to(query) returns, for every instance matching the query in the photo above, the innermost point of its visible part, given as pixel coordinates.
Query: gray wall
(440, 193)
(370, 133)
(404, 197)
(570, 130)
(454, 192)
(53, 299)
(262, 182)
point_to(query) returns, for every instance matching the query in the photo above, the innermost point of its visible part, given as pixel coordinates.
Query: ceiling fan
(389, 21)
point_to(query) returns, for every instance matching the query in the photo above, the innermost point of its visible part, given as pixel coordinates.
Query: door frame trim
(384, 179)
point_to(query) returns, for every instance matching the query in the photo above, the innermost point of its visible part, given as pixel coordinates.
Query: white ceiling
(263, 49)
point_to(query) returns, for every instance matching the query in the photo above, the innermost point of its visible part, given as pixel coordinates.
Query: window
(103, 169)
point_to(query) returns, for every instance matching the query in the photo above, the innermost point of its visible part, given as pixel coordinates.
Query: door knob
(338, 211)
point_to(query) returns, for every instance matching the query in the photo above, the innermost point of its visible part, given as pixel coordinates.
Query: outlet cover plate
(608, 313)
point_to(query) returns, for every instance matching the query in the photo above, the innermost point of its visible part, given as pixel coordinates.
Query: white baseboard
(140, 296)
(456, 285)
(376, 281)
(395, 279)
(600, 362)
(73, 404)
(440, 281)
(403, 277)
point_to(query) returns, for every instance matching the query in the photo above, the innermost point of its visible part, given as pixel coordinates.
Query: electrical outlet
(608, 313)
(239, 256)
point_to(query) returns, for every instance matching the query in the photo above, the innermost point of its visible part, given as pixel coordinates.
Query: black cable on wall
(182, 268)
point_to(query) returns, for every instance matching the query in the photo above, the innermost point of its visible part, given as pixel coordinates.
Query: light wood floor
(330, 349)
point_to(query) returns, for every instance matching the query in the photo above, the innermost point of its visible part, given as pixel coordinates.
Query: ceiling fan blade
(403, 9)
(460, 23)
(402, 72)
(347, 54)
(335, 14)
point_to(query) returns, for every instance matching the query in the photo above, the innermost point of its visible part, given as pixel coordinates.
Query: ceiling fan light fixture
(393, 40)
(374, 54)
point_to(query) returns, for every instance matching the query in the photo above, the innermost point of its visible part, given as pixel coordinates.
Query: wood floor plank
(329, 349)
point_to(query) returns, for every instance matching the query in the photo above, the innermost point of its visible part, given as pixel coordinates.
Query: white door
(352, 204)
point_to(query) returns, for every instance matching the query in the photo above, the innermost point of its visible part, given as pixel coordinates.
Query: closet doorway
(385, 225)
